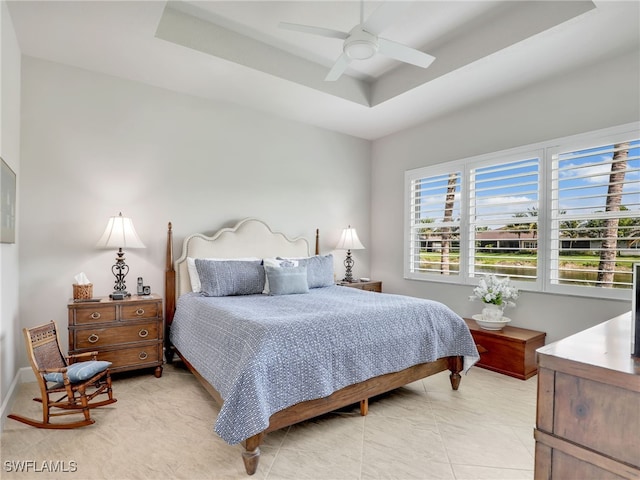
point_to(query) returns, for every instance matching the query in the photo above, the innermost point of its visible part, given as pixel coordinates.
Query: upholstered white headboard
(248, 238)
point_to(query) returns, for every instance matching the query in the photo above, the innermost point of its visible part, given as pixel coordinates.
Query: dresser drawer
(135, 357)
(583, 406)
(107, 336)
(141, 310)
(81, 315)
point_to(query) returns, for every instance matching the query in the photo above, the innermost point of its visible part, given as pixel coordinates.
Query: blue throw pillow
(286, 281)
(319, 270)
(80, 371)
(220, 278)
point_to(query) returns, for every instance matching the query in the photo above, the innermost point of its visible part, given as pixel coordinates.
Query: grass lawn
(525, 259)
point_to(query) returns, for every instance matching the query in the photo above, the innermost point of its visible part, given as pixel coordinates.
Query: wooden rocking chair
(77, 382)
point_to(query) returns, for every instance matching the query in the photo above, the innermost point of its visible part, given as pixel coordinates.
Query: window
(561, 216)
(595, 211)
(503, 218)
(435, 224)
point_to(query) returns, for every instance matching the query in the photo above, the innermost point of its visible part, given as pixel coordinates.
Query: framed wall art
(7, 204)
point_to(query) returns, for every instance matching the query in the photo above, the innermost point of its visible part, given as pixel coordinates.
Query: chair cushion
(80, 371)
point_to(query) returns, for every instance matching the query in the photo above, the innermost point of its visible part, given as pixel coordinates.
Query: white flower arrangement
(495, 290)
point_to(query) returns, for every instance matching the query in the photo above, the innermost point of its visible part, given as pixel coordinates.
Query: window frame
(545, 152)
(437, 170)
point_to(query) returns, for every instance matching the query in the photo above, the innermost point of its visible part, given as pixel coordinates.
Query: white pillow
(193, 272)
(276, 263)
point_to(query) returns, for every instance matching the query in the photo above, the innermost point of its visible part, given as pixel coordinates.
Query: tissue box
(82, 291)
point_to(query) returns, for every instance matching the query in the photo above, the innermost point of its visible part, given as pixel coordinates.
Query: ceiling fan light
(360, 49)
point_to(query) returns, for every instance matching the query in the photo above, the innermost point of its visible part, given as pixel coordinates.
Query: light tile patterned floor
(162, 429)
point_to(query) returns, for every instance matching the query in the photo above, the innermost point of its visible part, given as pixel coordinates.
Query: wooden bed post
(456, 364)
(251, 454)
(169, 293)
(317, 241)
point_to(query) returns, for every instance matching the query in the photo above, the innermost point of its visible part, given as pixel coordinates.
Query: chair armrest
(62, 370)
(65, 377)
(72, 358)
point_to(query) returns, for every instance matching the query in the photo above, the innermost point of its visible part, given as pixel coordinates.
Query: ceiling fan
(362, 42)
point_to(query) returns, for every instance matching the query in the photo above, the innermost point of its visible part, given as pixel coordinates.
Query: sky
(505, 190)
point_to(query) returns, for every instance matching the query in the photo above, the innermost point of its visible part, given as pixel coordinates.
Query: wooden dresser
(588, 412)
(129, 333)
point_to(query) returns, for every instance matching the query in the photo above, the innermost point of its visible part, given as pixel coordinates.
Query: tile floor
(162, 429)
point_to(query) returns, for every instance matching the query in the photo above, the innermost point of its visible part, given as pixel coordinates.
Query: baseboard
(24, 375)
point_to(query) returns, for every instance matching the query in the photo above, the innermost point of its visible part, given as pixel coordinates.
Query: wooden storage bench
(511, 351)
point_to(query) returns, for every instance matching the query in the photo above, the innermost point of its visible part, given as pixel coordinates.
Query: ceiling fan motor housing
(360, 45)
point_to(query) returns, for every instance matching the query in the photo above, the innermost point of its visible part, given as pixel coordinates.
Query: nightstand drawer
(137, 356)
(370, 286)
(93, 314)
(108, 336)
(141, 310)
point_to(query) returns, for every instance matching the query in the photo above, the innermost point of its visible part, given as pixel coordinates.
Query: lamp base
(348, 265)
(120, 270)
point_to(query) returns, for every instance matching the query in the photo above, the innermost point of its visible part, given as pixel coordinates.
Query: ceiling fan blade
(404, 54)
(323, 32)
(338, 68)
(384, 15)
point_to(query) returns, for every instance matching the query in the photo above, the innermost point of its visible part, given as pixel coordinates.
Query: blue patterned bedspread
(264, 353)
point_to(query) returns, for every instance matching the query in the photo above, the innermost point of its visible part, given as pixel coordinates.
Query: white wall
(10, 328)
(94, 145)
(596, 97)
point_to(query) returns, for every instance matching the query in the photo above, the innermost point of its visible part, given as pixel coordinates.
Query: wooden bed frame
(254, 237)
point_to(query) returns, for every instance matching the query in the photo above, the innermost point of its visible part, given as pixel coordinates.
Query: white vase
(492, 313)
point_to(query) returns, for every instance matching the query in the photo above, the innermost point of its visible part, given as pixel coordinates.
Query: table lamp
(349, 241)
(120, 234)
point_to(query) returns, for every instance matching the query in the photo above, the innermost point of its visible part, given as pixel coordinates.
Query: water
(567, 277)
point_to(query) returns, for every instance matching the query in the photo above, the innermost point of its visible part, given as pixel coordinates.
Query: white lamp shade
(349, 240)
(120, 234)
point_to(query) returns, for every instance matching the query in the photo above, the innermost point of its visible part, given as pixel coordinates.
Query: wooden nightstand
(371, 286)
(511, 351)
(128, 333)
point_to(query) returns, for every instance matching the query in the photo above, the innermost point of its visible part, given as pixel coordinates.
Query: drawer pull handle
(142, 355)
(143, 333)
(140, 311)
(95, 315)
(93, 338)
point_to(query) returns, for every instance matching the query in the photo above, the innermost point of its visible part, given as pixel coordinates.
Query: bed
(295, 346)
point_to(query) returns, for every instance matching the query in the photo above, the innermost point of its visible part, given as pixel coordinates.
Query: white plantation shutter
(538, 214)
(581, 219)
(503, 218)
(434, 224)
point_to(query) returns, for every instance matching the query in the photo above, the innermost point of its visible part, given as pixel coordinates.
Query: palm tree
(607, 265)
(448, 216)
